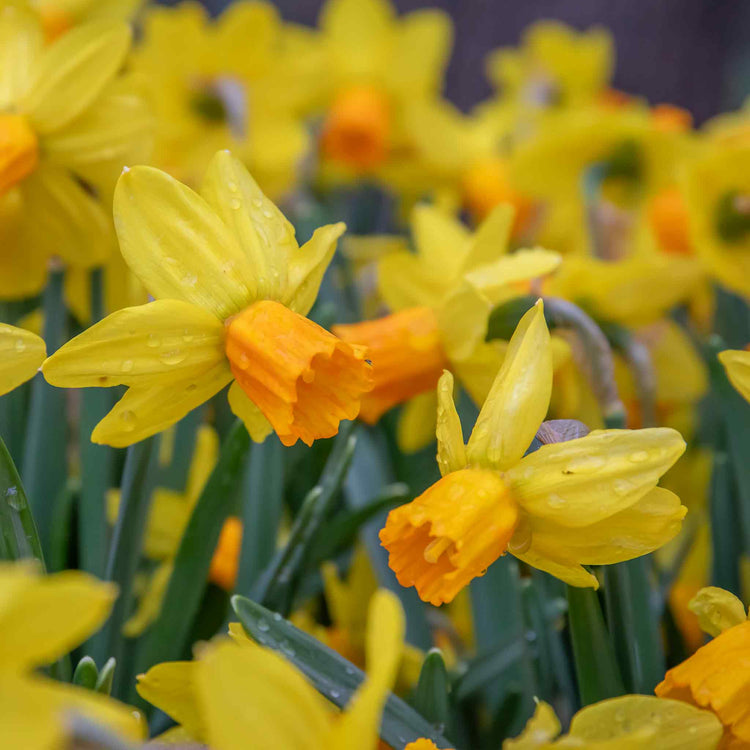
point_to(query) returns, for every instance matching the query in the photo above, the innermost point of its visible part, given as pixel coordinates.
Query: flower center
(451, 533)
(19, 151)
(303, 378)
(221, 101)
(357, 129)
(406, 354)
(668, 217)
(55, 22)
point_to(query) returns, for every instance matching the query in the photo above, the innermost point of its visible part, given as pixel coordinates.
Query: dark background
(694, 53)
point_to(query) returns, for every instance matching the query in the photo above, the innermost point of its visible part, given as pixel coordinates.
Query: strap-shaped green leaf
(332, 675)
(431, 695)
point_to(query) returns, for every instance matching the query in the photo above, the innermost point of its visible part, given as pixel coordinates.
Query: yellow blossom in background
(717, 675)
(239, 695)
(21, 354)
(59, 16)
(67, 125)
(589, 501)
(737, 366)
(441, 298)
(232, 288)
(632, 722)
(41, 619)
(716, 188)
(223, 83)
(375, 65)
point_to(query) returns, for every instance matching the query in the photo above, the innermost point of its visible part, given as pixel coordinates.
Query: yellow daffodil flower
(67, 125)
(375, 66)
(717, 675)
(41, 619)
(222, 83)
(716, 188)
(231, 289)
(555, 66)
(442, 297)
(59, 16)
(635, 722)
(737, 366)
(21, 354)
(279, 708)
(589, 501)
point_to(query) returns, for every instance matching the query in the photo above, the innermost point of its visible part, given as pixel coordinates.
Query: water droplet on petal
(584, 464)
(13, 499)
(153, 340)
(622, 486)
(257, 202)
(172, 357)
(232, 185)
(555, 501)
(190, 279)
(235, 204)
(127, 365)
(638, 457)
(20, 345)
(187, 336)
(127, 418)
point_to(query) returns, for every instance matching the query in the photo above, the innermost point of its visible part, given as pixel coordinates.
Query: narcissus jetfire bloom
(717, 675)
(589, 501)
(42, 618)
(737, 365)
(67, 125)
(635, 722)
(441, 298)
(231, 289)
(21, 354)
(239, 695)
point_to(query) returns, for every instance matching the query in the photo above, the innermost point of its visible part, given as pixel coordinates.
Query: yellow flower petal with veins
(542, 728)
(737, 365)
(138, 346)
(717, 610)
(21, 354)
(257, 425)
(451, 452)
(403, 284)
(518, 400)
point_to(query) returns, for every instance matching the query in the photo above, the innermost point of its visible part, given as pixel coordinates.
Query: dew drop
(277, 617)
(638, 457)
(335, 694)
(20, 345)
(622, 486)
(127, 418)
(267, 213)
(555, 501)
(287, 648)
(187, 336)
(153, 340)
(172, 357)
(308, 376)
(13, 499)
(232, 185)
(263, 626)
(235, 204)
(190, 279)
(257, 202)
(584, 465)
(127, 365)
(243, 361)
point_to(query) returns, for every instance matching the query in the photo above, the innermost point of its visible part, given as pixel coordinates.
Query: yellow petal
(441, 240)
(177, 245)
(518, 400)
(402, 282)
(21, 354)
(490, 241)
(307, 266)
(156, 343)
(477, 372)
(172, 687)
(451, 452)
(35, 713)
(737, 365)
(72, 72)
(542, 728)
(644, 721)
(582, 481)
(463, 316)
(21, 41)
(717, 610)
(359, 724)
(416, 423)
(51, 615)
(145, 410)
(205, 456)
(570, 572)
(259, 228)
(254, 698)
(257, 425)
(149, 602)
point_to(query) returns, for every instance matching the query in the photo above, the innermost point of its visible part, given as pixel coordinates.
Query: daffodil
(21, 354)
(169, 513)
(239, 695)
(588, 501)
(441, 298)
(555, 67)
(737, 366)
(717, 675)
(231, 289)
(375, 65)
(716, 188)
(635, 722)
(41, 619)
(222, 83)
(67, 125)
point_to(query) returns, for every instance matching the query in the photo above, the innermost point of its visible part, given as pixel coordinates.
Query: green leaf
(596, 667)
(430, 697)
(86, 673)
(331, 674)
(634, 625)
(18, 534)
(276, 586)
(262, 499)
(167, 639)
(106, 677)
